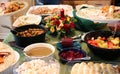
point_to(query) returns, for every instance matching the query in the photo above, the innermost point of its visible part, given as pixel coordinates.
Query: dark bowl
(104, 53)
(66, 50)
(25, 41)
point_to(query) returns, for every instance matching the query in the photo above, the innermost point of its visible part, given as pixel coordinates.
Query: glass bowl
(37, 66)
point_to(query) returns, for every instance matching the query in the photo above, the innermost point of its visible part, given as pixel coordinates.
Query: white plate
(12, 13)
(95, 15)
(9, 60)
(27, 19)
(68, 9)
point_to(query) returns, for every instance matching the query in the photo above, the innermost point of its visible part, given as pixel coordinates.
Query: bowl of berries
(72, 55)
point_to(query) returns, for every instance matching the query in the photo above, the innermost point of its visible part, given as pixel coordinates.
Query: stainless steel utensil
(84, 58)
(11, 29)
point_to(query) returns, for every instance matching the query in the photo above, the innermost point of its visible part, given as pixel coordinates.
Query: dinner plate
(9, 60)
(51, 9)
(94, 14)
(19, 10)
(76, 44)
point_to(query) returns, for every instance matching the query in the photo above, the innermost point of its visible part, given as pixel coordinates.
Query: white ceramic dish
(39, 45)
(67, 8)
(10, 60)
(78, 7)
(12, 13)
(94, 14)
(27, 19)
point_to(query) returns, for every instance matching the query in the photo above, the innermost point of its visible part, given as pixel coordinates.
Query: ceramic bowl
(71, 54)
(39, 50)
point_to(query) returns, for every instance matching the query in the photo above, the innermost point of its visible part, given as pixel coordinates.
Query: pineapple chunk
(115, 41)
(103, 45)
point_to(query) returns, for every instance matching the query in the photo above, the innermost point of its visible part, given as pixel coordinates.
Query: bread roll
(91, 64)
(86, 69)
(92, 71)
(103, 66)
(75, 68)
(110, 69)
(97, 68)
(81, 68)
(105, 72)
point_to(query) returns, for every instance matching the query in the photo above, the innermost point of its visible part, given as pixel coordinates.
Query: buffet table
(53, 41)
(82, 24)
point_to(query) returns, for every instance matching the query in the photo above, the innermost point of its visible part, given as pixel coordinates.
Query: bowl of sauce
(39, 50)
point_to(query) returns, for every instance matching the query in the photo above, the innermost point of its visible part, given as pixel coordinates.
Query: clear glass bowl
(37, 66)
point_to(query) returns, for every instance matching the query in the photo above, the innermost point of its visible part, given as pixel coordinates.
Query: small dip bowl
(39, 50)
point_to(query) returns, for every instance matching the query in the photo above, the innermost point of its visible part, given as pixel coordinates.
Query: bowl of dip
(39, 50)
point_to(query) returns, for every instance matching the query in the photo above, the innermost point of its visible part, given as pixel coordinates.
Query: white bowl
(39, 45)
(27, 19)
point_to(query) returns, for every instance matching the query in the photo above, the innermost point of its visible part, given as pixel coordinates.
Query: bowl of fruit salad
(104, 44)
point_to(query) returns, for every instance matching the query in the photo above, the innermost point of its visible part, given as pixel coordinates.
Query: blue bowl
(76, 44)
(75, 50)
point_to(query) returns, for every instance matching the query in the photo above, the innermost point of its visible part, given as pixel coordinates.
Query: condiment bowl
(72, 54)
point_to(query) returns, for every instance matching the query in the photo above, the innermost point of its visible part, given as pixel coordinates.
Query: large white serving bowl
(95, 14)
(27, 19)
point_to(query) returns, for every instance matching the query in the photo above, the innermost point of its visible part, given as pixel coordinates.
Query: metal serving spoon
(84, 58)
(11, 29)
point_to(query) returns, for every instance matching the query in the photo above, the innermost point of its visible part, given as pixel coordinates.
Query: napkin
(87, 25)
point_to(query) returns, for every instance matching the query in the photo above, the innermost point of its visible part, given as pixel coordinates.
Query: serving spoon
(84, 58)
(11, 29)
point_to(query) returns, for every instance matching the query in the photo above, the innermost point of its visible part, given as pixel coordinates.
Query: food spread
(8, 7)
(63, 24)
